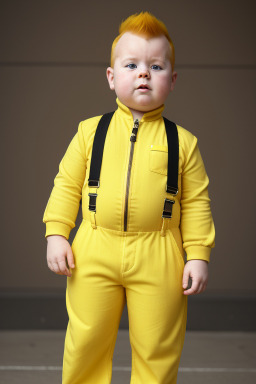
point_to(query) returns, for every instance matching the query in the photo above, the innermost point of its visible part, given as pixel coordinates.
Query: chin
(147, 108)
(143, 105)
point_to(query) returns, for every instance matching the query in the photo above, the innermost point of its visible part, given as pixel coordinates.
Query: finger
(58, 273)
(193, 289)
(63, 268)
(188, 292)
(55, 267)
(200, 289)
(70, 259)
(185, 278)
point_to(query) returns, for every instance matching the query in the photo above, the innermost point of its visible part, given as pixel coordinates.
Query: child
(126, 249)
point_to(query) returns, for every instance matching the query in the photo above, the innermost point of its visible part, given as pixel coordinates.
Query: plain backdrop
(54, 56)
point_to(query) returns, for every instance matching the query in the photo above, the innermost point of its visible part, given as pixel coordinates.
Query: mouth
(143, 86)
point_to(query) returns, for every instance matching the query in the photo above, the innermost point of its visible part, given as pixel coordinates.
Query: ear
(110, 77)
(174, 78)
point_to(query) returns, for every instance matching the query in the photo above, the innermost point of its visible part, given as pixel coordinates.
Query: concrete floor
(208, 358)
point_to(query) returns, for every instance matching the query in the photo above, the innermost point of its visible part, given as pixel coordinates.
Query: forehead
(131, 44)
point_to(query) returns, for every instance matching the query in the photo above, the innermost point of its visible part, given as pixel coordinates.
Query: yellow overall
(127, 251)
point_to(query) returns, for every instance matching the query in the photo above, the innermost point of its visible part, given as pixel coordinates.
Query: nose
(144, 73)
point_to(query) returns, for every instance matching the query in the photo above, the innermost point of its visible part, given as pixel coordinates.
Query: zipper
(132, 140)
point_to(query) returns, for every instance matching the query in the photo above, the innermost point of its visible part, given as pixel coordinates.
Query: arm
(63, 205)
(197, 227)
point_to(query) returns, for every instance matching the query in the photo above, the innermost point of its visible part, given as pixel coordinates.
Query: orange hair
(143, 24)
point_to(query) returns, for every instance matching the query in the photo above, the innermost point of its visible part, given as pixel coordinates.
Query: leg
(157, 309)
(95, 303)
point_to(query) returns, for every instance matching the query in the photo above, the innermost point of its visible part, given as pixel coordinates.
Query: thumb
(185, 278)
(70, 258)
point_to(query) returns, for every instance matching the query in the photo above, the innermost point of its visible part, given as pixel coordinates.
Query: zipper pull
(134, 130)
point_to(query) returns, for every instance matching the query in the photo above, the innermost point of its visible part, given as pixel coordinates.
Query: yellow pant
(143, 268)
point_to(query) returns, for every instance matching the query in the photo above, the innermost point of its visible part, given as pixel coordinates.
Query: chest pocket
(158, 159)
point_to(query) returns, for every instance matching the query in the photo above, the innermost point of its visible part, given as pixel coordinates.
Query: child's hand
(59, 255)
(198, 271)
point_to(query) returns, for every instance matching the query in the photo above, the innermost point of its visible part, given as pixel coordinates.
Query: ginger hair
(143, 24)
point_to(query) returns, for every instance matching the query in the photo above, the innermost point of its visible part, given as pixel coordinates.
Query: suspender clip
(173, 190)
(94, 183)
(167, 212)
(92, 201)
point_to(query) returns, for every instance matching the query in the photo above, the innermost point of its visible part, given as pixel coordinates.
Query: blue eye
(131, 66)
(156, 67)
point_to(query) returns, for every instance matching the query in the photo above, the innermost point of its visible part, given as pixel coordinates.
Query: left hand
(198, 271)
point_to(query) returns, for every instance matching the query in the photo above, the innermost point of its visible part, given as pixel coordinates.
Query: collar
(148, 116)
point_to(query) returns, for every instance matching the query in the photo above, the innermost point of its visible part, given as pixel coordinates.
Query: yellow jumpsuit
(127, 251)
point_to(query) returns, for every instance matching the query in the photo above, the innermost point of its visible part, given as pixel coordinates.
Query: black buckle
(173, 190)
(167, 212)
(94, 183)
(92, 201)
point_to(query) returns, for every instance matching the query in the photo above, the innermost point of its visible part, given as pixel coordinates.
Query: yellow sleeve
(63, 205)
(197, 226)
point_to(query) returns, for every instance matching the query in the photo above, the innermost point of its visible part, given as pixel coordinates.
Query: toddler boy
(126, 249)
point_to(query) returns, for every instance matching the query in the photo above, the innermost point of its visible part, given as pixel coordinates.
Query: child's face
(142, 75)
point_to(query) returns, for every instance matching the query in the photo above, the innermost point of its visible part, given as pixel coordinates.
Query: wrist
(54, 237)
(205, 261)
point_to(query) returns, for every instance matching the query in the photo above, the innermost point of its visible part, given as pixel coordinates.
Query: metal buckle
(94, 183)
(174, 191)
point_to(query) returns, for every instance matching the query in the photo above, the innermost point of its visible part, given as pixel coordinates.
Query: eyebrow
(157, 58)
(129, 58)
(154, 58)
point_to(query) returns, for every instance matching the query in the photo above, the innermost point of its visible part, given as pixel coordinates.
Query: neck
(136, 114)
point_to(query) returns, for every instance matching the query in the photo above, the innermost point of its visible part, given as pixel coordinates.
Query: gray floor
(207, 358)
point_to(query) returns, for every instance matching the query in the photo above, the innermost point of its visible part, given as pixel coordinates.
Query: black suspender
(97, 150)
(97, 154)
(173, 157)
(173, 161)
(173, 166)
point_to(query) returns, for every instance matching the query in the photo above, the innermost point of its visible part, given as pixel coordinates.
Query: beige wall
(52, 76)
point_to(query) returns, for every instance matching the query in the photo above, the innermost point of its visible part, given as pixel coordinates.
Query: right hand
(60, 257)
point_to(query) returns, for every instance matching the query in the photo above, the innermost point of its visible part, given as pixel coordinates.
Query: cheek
(122, 83)
(164, 86)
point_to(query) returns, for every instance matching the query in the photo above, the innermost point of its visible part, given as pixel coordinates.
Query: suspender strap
(97, 150)
(172, 171)
(96, 160)
(173, 157)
